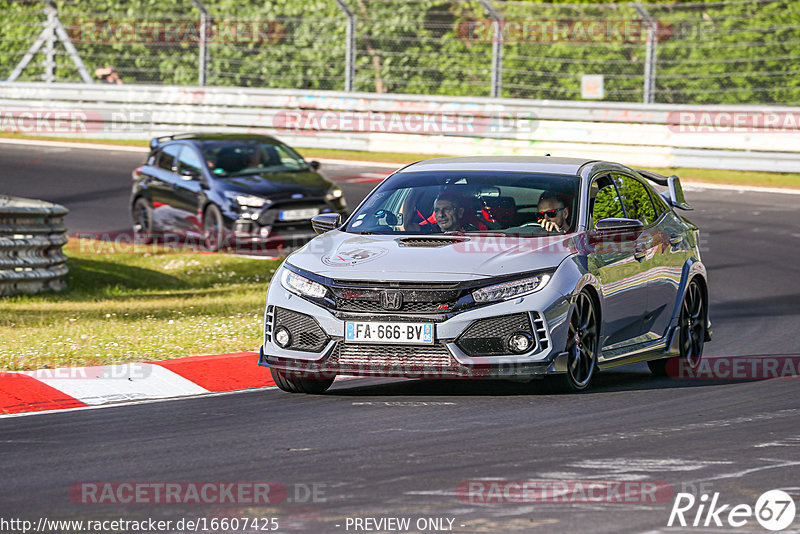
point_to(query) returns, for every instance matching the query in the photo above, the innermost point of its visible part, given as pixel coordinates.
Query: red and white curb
(80, 387)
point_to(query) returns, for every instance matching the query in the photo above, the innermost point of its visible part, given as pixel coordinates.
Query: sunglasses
(547, 213)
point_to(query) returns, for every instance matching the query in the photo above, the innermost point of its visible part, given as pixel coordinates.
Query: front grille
(367, 299)
(306, 333)
(374, 306)
(489, 337)
(270, 216)
(409, 358)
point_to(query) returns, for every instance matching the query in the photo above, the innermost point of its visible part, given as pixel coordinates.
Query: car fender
(692, 269)
(572, 276)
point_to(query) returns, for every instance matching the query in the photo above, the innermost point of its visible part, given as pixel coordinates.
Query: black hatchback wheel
(142, 216)
(213, 229)
(581, 346)
(691, 332)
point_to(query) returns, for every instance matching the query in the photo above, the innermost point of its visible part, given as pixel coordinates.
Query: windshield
(240, 157)
(519, 203)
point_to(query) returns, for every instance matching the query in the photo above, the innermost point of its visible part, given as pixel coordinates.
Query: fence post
(350, 46)
(53, 31)
(50, 44)
(202, 64)
(650, 53)
(497, 48)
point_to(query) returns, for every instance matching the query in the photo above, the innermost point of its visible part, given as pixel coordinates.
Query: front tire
(582, 343)
(142, 217)
(213, 229)
(692, 334)
(300, 385)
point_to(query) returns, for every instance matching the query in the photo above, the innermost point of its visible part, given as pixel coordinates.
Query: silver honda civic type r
(493, 267)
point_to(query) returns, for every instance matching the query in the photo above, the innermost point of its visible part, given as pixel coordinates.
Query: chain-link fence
(689, 53)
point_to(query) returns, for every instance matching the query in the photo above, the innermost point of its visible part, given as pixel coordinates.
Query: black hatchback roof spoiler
(156, 141)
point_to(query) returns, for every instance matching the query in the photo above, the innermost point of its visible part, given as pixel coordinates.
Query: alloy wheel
(582, 344)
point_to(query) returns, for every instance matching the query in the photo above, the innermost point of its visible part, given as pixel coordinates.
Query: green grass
(743, 178)
(117, 142)
(715, 176)
(138, 304)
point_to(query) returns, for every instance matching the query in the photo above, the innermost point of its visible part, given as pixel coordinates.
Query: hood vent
(430, 242)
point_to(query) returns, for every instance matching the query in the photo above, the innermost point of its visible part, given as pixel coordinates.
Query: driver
(449, 212)
(553, 213)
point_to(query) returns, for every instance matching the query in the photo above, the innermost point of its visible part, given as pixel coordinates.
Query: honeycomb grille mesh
(409, 358)
(487, 337)
(306, 333)
(407, 307)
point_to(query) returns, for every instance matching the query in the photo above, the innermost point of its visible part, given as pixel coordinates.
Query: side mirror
(325, 222)
(613, 225)
(314, 165)
(190, 174)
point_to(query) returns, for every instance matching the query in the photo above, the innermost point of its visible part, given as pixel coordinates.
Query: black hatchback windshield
(527, 204)
(241, 157)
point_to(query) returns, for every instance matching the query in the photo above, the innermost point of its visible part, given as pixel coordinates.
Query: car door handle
(639, 254)
(675, 239)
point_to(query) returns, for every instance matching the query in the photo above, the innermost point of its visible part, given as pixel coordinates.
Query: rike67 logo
(774, 510)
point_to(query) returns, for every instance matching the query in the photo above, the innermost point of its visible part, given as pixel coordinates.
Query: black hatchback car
(229, 189)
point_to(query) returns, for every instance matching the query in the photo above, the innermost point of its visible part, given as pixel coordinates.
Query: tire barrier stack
(31, 236)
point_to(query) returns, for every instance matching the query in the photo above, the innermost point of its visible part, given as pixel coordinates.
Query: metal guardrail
(31, 236)
(761, 138)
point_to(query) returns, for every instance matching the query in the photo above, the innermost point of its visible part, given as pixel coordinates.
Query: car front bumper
(331, 355)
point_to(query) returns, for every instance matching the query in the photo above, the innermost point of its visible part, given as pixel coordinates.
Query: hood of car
(277, 183)
(342, 255)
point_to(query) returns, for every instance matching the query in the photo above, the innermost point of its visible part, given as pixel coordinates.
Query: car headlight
(250, 201)
(300, 285)
(509, 290)
(334, 193)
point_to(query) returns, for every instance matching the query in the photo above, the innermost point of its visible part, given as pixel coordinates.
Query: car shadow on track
(632, 378)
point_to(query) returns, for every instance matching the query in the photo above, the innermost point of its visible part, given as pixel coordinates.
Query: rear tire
(691, 331)
(313, 386)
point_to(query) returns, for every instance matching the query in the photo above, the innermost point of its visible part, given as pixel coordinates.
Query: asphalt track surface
(402, 448)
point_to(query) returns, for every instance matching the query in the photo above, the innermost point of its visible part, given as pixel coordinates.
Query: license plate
(298, 215)
(397, 333)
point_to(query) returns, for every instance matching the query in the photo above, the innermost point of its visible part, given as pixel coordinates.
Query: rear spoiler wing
(156, 141)
(674, 194)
